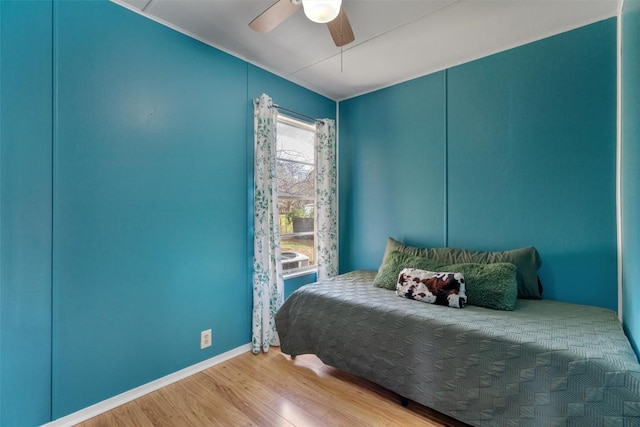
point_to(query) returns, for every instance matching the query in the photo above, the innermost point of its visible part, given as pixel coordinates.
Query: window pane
(295, 179)
(297, 252)
(296, 215)
(294, 143)
(297, 242)
(295, 169)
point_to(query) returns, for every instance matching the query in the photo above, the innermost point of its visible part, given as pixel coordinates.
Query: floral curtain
(268, 284)
(326, 199)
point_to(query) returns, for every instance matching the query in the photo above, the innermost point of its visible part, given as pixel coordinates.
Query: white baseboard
(128, 396)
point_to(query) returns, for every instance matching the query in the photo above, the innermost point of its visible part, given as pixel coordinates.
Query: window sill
(299, 273)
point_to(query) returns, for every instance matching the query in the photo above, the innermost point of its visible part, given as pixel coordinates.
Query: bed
(545, 363)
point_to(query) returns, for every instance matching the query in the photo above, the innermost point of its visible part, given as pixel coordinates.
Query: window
(295, 169)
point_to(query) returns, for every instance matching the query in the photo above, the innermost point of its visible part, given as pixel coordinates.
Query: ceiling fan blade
(274, 16)
(341, 30)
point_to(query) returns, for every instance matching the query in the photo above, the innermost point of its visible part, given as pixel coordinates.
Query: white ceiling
(395, 40)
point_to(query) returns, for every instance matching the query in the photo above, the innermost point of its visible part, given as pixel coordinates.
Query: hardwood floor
(271, 390)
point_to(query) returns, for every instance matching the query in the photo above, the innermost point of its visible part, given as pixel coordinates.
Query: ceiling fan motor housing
(321, 11)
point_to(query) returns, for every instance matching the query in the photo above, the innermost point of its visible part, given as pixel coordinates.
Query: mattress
(547, 363)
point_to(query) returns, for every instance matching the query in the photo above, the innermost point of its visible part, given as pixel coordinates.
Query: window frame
(310, 127)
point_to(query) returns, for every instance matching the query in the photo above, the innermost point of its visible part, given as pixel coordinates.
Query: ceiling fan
(320, 11)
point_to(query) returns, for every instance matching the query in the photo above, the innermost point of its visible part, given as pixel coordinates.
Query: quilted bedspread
(545, 364)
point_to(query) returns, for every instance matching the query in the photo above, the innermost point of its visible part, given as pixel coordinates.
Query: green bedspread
(545, 364)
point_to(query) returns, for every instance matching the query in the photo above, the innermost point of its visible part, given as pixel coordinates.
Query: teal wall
(126, 163)
(516, 149)
(293, 284)
(392, 170)
(532, 159)
(630, 184)
(25, 212)
(149, 202)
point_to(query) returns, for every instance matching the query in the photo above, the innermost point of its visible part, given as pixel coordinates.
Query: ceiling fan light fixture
(321, 11)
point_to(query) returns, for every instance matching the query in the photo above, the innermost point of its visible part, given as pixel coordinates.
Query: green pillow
(526, 260)
(388, 272)
(488, 285)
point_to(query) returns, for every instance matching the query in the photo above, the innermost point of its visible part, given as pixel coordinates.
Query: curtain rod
(300, 115)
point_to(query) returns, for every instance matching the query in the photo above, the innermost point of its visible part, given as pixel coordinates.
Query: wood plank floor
(271, 390)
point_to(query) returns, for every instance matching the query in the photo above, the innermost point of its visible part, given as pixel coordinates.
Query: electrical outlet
(205, 339)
